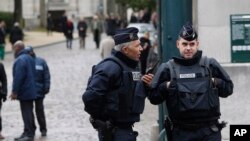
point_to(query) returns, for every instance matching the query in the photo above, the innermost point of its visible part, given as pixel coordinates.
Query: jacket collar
(129, 62)
(188, 62)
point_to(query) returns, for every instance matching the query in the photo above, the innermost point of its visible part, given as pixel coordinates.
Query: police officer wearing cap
(116, 92)
(191, 85)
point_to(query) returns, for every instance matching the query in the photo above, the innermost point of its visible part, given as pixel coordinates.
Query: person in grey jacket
(24, 89)
(42, 88)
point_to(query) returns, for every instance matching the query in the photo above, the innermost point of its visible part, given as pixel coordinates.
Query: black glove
(46, 91)
(92, 121)
(173, 84)
(99, 124)
(3, 97)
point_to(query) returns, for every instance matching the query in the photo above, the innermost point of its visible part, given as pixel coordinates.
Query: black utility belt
(124, 125)
(194, 126)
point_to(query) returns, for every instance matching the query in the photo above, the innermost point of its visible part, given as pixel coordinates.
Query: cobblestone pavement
(66, 119)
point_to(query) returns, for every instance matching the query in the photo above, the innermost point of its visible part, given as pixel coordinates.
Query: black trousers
(97, 37)
(28, 118)
(40, 114)
(202, 134)
(120, 134)
(0, 115)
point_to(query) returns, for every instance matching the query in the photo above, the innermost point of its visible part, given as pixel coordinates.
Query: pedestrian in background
(106, 46)
(2, 39)
(24, 89)
(16, 34)
(42, 88)
(133, 18)
(110, 24)
(50, 24)
(82, 29)
(69, 33)
(96, 30)
(146, 45)
(63, 23)
(3, 93)
(191, 85)
(153, 56)
(115, 95)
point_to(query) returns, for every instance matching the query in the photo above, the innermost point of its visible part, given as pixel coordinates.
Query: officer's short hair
(120, 46)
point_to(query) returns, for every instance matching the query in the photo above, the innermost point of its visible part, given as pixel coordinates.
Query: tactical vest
(124, 103)
(193, 97)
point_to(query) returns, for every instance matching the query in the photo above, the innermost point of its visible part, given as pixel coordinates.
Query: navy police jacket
(115, 91)
(192, 96)
(42, 77)
(24, 77)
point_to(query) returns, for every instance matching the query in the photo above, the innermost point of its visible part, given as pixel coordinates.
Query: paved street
(66, 118)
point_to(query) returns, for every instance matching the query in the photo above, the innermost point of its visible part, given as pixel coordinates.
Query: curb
(44, 45)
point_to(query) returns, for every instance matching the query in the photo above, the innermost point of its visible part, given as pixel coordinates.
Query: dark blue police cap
(125, 35)
(188, 32)
(29, 49)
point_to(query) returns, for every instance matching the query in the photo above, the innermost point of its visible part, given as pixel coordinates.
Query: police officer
(42, 88)
(116, 92)
(191, 85)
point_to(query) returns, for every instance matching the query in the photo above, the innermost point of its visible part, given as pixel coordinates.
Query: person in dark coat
(69, 33)
(146, 45)
(63, 23)
(111, 24)
(16, 34)
(116, 92)
(50, 24)
(146, 16)
(96, 30)
(82, 29)
(191, 85)
(24, 89)
(3, 93)
(2, 39)
(42, 88)
(133, 18)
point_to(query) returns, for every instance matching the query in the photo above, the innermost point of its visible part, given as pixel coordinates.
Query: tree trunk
(18, 11)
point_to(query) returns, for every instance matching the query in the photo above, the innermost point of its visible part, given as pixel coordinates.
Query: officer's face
(187, 48)
(133, 51)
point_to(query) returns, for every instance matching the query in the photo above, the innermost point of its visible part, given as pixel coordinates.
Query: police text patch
(187, 75)
(136, 76)
(38, 67)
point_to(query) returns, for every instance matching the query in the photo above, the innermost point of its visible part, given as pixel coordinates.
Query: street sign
(240, 38)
